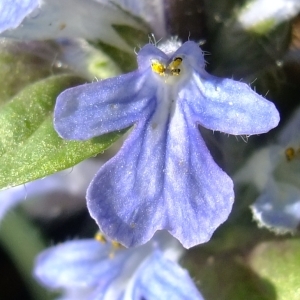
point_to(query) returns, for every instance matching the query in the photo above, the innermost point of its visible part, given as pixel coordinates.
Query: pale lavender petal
(86, 19)
(78, 264)
(278, 207)
(88, 269)
(259, 167)
(160, 278)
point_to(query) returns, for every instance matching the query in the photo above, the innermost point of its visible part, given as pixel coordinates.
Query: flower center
(173, 69)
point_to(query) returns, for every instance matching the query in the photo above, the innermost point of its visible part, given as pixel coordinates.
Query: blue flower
(164, 176)
(88, 269)
(275, 173)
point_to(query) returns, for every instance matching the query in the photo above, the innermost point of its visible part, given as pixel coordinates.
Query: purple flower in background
(275, 172)
(69, 183)
(164, 176)
(88, 270)
(52, 19)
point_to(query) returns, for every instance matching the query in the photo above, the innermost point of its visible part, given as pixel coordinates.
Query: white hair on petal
(170, 45)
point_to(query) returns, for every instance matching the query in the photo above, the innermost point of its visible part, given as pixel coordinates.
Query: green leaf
(29, 146)
(22, 116)
(278, 262)
(220, 267)
(19, 67)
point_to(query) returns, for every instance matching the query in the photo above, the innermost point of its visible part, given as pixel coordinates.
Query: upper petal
(93, 109)
(192, 56)
(147, 53)
(160, 278)
(228, 106)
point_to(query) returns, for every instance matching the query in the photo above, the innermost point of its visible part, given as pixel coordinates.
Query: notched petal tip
(132, 197)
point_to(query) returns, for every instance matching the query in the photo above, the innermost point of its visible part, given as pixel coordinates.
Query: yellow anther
(158, 67)
(175, 63)
(174, 66)
(171, 69)
(116, 245)
(175, 72)
(290, 153)
(99, 236)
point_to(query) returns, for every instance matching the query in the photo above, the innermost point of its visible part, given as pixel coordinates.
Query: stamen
(173, 66)
(116, 245)
(158, 67)
(100, 237)
(175, 63)
(172, 69)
